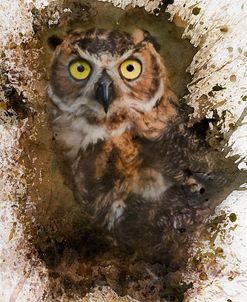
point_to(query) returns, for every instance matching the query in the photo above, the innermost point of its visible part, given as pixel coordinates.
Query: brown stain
(179, 21)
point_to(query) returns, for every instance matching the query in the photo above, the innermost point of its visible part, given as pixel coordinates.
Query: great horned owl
(135, 168)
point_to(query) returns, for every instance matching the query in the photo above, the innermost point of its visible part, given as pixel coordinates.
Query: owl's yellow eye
(80, 69)
(131, 69)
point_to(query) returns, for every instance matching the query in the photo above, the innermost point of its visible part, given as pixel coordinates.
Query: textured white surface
(226, 278)
(18, 280)
(15, 22)
(147, 4)
(220, 31)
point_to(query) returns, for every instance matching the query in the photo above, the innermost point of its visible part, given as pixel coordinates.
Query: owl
(140, 174)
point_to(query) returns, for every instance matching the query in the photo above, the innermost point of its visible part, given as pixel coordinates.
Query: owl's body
(134, 167)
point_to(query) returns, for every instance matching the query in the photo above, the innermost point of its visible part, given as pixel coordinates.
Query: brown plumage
(139, 173)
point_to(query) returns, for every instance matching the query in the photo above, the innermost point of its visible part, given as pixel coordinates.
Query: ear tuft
(138, 36)
(54, 41)
(142, 36)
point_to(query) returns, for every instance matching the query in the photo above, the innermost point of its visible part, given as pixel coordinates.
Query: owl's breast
(111, 171)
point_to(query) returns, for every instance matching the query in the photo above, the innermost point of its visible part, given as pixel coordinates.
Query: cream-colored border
(219, 29)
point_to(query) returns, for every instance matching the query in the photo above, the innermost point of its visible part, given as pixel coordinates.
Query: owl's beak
(104, 91)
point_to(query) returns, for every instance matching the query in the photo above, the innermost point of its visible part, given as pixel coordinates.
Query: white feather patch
(90, 134)
(153, 188)
(115, 213)
(148, 105)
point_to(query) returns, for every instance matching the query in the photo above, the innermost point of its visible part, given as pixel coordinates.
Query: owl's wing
(188, 160)
(160, 228)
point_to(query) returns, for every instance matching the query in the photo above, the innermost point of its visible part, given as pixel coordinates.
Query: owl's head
(103, 73)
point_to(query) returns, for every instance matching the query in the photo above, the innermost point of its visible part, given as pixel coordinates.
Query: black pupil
(80, 68)
(130, 67)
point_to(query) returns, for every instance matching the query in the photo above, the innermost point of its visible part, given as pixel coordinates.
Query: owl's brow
(133, 50)
(81, 52)
(125, 56)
